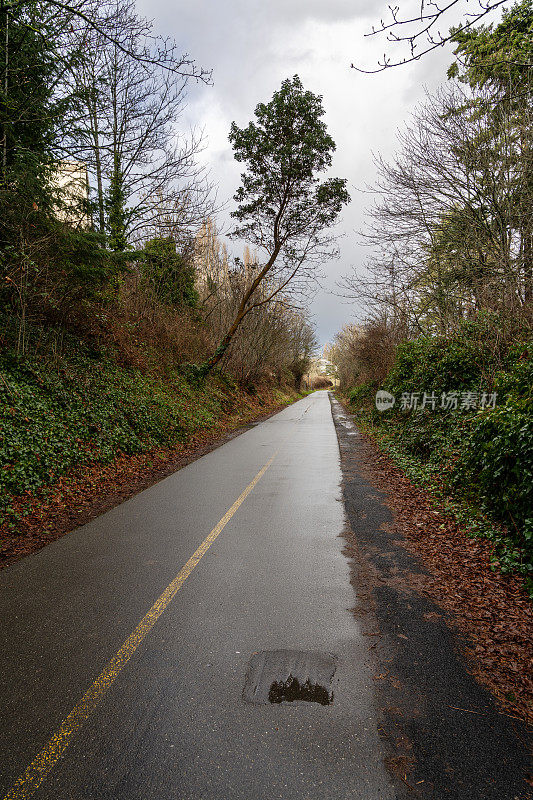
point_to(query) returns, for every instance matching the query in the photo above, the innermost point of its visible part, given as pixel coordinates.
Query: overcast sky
(251, 46)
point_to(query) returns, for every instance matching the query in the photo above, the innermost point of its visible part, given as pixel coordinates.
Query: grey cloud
(301, 10)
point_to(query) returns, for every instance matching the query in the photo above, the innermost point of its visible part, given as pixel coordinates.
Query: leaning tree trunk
(243, 310)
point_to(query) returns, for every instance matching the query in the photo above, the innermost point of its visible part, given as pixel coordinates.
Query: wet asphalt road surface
(272, 590)
(307, 580)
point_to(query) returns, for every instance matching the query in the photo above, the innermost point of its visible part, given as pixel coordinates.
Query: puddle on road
(292, 690)
(285, 676)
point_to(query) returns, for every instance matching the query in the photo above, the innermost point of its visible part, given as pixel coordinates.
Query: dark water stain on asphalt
(444, 735)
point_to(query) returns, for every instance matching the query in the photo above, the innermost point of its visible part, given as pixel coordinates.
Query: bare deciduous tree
(275, 341)
(420, 32)
(452, 212)
(130, 104)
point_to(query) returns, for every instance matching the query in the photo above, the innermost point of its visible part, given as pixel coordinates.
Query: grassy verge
(71, 414)
(388, 434)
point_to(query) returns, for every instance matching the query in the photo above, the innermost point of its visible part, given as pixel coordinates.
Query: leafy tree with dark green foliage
(284, 210)
(40, 124)
(28, 107)
(170, 274)
(45, 264)
(500, 56)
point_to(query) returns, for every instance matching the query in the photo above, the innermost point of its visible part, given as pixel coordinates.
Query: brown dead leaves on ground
(492, 609)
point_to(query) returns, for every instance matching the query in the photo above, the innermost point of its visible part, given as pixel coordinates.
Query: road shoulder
(444, 734)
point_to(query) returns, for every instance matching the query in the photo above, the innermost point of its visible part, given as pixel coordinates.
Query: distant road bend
(197, 640)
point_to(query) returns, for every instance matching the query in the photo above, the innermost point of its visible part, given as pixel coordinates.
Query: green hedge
(469, 359)
(362, 393)
(484, 456)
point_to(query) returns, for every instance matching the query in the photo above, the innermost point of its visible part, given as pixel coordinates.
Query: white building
(72, 179)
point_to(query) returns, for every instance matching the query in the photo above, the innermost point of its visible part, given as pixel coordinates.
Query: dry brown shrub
(375, 351)
(152, 336)
(321, 383)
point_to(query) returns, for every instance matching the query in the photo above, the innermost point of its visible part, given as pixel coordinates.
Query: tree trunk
(98, 163)
(528, 267)
(5, 14)
(244, 309)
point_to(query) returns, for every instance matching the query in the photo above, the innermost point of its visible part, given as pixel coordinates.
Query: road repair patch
(277, 676)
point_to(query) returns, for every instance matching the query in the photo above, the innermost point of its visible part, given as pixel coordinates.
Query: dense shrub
(497, 457)
(362, 393)
(484, 456)
(169, 273)
(469, 358)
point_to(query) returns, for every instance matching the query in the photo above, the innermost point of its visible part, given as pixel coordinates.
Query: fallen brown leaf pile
(90, 490)
(492, 609)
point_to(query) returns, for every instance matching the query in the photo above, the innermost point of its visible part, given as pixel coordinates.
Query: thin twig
(404, 779)
(8, 387)
(484, 713)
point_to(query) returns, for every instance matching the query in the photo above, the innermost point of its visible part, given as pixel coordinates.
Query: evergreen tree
(283, 208)
(29, 111)
(46, 262)
(117, 215)
(170, 274)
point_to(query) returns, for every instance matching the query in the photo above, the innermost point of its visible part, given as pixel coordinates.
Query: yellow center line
(44, 761)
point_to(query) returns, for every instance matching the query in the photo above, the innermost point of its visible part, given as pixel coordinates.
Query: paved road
(171, 722)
